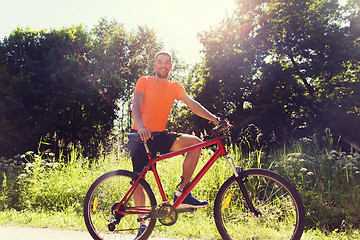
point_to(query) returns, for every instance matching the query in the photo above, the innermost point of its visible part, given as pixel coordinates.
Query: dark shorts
(159, 144)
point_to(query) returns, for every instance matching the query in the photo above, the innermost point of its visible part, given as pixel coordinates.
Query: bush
(329, 185)
(48, 184)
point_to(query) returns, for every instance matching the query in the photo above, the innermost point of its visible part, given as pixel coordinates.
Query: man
(152, 102)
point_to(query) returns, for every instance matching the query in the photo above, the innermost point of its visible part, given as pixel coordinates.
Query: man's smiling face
(163, 66)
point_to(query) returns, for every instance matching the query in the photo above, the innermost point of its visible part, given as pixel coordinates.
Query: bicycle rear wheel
(101, 199)
(281, 210)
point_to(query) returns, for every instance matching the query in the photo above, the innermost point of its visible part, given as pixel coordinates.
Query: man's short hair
(163, 53)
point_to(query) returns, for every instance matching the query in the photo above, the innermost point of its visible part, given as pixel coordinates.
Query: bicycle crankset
(167, 214)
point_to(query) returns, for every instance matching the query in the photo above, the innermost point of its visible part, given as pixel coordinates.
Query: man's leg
(139, 200)
(139, 197)
(189, 165)
(191, 158)
(139, 161)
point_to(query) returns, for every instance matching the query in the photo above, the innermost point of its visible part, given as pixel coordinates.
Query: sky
(176, 22)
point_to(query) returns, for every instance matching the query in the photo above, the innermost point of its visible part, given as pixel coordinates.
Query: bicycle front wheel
(281, 212)
(101, 199)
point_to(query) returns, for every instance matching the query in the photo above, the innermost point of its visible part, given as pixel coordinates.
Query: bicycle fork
(241, 179)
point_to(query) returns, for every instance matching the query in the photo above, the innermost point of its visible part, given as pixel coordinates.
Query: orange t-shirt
(158, 100)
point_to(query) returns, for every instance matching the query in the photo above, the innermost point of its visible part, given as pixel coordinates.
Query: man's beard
(162, 75)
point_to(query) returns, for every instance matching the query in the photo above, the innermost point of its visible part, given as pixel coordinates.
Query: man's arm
(144, 133)
(198, 109)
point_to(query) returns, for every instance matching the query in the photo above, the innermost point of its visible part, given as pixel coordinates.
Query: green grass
(49, 193)
(189, 226)
(68, 219)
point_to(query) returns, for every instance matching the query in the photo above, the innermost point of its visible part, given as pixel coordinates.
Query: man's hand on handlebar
(224, 124)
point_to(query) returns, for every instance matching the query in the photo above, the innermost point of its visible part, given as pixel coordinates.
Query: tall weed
(328, 180)
(329, 183)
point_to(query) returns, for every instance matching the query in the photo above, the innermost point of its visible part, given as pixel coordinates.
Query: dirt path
(27, 233)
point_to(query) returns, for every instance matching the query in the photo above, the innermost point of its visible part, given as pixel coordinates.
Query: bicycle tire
(100, 198)
(282, 211)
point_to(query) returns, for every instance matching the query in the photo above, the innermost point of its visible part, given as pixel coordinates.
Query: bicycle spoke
(102, 200)
(280, 209)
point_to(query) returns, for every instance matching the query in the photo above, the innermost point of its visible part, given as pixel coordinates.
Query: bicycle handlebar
(223, 125)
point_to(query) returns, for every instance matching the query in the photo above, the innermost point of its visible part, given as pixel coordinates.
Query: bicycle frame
(245, 194)
(152, 164)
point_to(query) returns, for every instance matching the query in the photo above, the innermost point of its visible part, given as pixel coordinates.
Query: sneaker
(191, 202)
(141, 230)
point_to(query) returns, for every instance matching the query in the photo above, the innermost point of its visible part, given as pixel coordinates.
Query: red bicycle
(254, 197)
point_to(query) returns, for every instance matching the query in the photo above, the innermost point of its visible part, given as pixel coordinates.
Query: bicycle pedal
(145, 217)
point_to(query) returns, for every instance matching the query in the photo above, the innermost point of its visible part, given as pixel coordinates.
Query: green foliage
(327, 180)
(46, 184)
(289, 67)
(329, 183)
(64, 83)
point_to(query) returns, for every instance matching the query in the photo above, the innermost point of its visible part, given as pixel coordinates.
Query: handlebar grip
(224, 124)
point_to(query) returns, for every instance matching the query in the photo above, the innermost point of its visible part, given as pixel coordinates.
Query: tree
(117, 60)
(288, 62)
(66, 83)
(48, 93)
